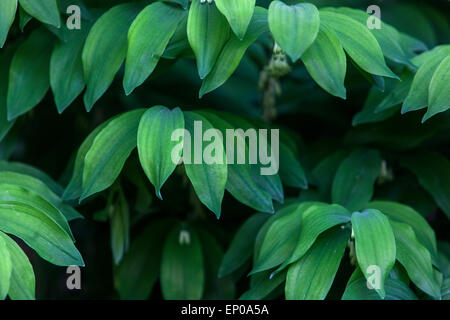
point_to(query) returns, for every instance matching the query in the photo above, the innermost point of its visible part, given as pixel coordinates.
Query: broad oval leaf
(22, 281)
(105, 49)
(311, 277)
(45, 11)
(355, 179)
(294, 27)
(5, 269)
(155, 144)
(358, 42)
(8, 10)
(439, 90)
(29, 73)
(238, 13)
(182, 270)
(143, 53)
(375, 246)
(207, 31)
(109, 150)
(326, 62)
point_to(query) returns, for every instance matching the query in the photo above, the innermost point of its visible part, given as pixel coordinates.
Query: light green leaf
(5, 269)
(207, 31)
(105, 50)
(311, 277)
(45, 11)
(208, 180)
(375, 246)
(355, 179)
(66, 68)
(416, 259)
(433, 172)
(29, 73)
(294, 27)
(326, 62)
(439, 90)
(155, 145)
(233, 51)
(24, 18)
(40, 232)
(109, 150)
(241, 247)
(358, 42)
(182, 270)
(8, 10)
(401, 213)
(238, 13)
(22, 282)
(143, 53)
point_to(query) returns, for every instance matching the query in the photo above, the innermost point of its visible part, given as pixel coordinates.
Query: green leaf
(315, 220)
(66, 68)
(282, 236)
(155, 144)
(207, 31)
(24, 18)
(395, 290)
(143, 53)
(294, 27)
(40, 232)
(45, 11)
(358, 42)
(263, 286)
(290, 168)
(375, 246)
(182, 270)
(139, 268)
(439, 90)
(29, 73)
(5, 269)
(433, 172)
(8, 10)
(416, 259)
(238, 13)
(326, 62)
(325, 171)
(241, 247)
(5, 61)
(233, 51)
(109, 150)
(398, 93)
(208, 180)
(401, 213)
(35, 185)
(355, 179)
(105, 50)
(311, 277)
(446, 289)
(119, 219)
(22, 282)
(418, 95)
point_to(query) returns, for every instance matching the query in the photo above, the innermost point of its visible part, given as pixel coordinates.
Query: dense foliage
(88, 176)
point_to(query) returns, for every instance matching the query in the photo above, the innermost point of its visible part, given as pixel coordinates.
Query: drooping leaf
(358, 42)
(439, 90)
(5, 61)
(294, 27)
(326, 62)
(233, 51)
(241, 249)
(109, 150)
(416, 259)
(5, 269)
(375, 246)
(119, 219)
(143, 53)
(398, 93)
(311, 277)
(155, 144)
(263, 286)
(45, 11)
(207, 31)
(208, 179)
(238, 13)
(29, 73)
(22, 282)
(182, 270)
(105, 50)
(8, 10)
(355, 178)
